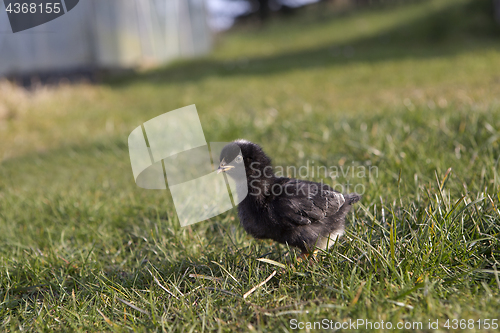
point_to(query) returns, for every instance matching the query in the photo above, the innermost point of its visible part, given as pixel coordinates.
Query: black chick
(296, 212)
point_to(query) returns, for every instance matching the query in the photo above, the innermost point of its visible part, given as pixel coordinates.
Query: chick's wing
(301, 202)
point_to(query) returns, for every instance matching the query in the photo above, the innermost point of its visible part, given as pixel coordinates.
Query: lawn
(411, 91)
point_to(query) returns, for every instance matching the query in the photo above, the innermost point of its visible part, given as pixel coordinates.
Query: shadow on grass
(453, 30)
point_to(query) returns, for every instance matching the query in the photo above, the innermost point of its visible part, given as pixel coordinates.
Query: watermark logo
(171, 150)
(26, 14)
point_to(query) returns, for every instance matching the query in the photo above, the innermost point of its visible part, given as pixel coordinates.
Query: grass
(84, 249)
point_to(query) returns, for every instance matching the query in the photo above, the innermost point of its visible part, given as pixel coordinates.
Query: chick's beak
(224, 168)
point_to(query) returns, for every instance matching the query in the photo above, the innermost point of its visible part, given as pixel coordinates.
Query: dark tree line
(263, 7)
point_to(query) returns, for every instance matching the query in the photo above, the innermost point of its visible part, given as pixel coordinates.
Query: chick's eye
(238, 159)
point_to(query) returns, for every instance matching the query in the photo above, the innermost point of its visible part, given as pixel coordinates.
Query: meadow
(413, 90)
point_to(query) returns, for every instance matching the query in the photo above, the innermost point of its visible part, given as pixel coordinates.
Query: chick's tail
(352, 198)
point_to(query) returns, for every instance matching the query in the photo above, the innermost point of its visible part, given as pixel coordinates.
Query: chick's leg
(307, 255)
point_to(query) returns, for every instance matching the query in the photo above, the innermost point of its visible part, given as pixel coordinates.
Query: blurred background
(114, 35)
(411, 87)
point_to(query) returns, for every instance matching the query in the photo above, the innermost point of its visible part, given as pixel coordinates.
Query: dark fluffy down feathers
(296, 212)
